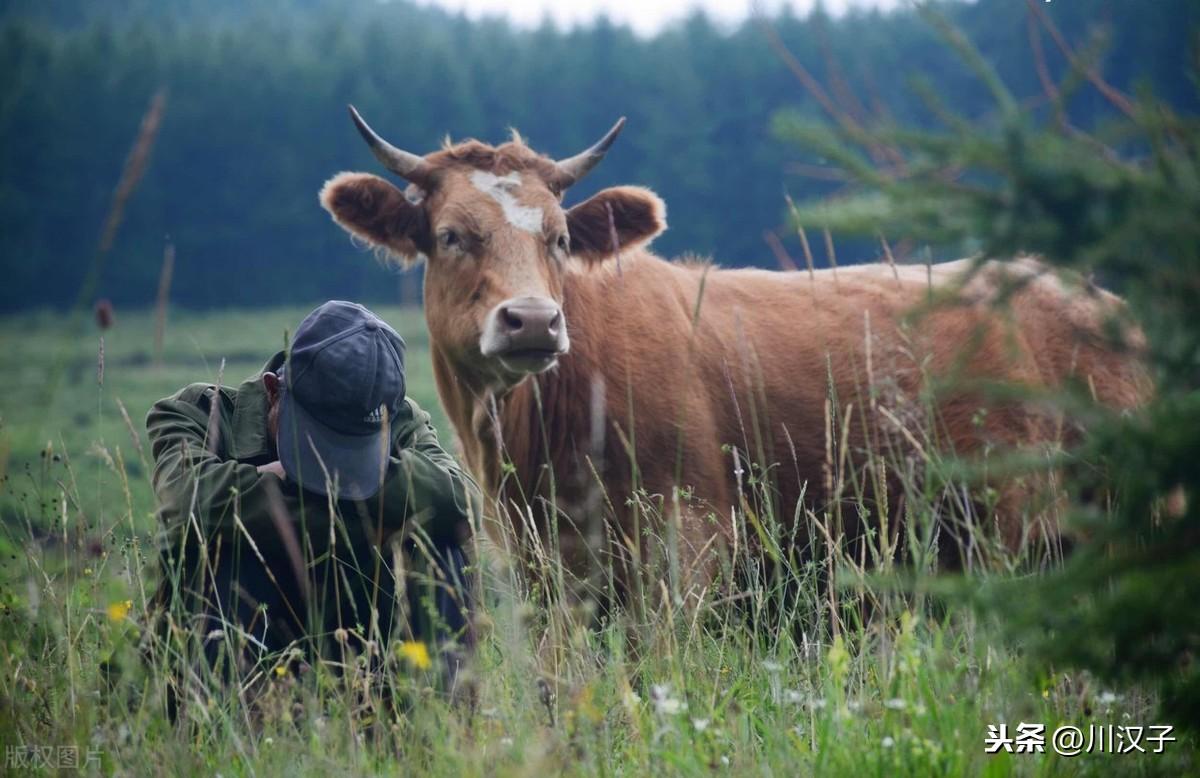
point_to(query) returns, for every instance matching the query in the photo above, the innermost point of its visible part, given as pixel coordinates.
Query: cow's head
(490, 223)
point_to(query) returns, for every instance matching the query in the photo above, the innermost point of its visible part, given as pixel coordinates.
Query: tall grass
(813, 663)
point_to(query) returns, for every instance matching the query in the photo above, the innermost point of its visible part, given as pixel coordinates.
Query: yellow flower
(839, 659)
(587, 708)
(119, 611)
(416, 653)
(280, 670)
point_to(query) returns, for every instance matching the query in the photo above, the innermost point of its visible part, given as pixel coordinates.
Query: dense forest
(255, 121)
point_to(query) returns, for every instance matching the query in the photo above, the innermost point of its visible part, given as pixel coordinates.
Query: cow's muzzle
(527, 334)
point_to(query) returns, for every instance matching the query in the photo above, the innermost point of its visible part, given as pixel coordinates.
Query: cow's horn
(571, 169)
(405, 164)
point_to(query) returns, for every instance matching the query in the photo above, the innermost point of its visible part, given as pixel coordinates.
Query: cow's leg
(698, 556)
(1013, 514)
(1027, 513)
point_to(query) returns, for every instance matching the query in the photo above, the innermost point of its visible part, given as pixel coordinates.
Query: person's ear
(271, 384)
(370, 208)
(634, 213)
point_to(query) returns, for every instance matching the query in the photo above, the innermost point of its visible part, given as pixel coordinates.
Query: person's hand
(275, 468)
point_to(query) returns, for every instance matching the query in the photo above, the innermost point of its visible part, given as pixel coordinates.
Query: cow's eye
(449, 239)
(563, 243)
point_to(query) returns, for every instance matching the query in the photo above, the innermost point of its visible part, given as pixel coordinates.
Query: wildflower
(1108, 698)
(280, 670)
(585, 705)
(700, 724)
(506, 742)
(669, 706)
(416, 653)
(887, 742)
(839, 660)
(725, 760)
(119, 610)
(664, 703)
(895, 704)
(793, 696)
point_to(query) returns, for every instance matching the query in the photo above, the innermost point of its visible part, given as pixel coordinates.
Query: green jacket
(207, 487)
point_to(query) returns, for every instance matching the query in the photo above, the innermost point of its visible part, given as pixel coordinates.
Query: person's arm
(191, 480)
(424, 482)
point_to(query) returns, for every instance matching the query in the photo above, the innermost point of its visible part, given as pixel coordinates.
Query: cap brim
(323, 460)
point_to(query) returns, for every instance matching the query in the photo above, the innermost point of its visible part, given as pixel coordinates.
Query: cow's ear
(637, 216)
(372, 209)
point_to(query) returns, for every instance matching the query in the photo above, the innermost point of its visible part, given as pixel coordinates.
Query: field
(911, 690)
(86, 417)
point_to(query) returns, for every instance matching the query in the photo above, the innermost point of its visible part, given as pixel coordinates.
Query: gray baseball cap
(341, 385)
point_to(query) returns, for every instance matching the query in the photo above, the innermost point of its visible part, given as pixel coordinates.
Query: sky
(645, 16)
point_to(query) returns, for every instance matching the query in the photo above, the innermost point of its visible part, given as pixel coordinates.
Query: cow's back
(710, 371)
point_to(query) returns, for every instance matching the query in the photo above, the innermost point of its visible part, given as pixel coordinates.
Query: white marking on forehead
(500, 189)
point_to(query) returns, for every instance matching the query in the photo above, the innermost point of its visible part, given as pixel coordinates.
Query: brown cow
(566, 365)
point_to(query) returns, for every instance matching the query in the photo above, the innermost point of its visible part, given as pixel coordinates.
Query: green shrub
(1119, 204)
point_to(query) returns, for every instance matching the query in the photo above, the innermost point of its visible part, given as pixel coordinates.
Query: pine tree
(1119, 204)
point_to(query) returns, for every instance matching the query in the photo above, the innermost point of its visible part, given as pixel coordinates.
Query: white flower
(725, 760)
(817, 704)
(793, 696)
(664, 703)
(895, 704)
(700, 724)
(669, 706)
(887, 742)
(506, 741)
(1108, 698)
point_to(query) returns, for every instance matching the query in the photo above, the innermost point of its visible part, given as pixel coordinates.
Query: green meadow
(899, 683)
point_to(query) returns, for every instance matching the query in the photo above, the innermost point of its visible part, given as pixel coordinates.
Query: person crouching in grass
(310, 513)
